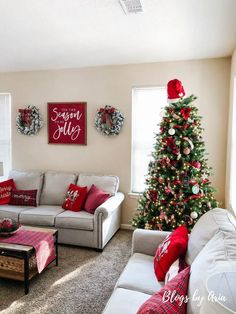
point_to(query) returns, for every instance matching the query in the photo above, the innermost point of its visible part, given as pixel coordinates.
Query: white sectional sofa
(211, 252)
(76, 228)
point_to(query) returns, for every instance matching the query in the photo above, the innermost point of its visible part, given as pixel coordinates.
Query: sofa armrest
(110, 205)
(147, 241)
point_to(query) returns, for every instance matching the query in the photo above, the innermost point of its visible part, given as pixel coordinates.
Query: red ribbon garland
(192, 197)
(185, 113)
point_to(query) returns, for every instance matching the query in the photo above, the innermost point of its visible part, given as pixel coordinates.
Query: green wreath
(109, 120)
(28, 121)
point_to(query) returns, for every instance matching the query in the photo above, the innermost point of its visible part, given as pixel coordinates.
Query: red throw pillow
(5, 191)
(75, 198)
(24, 197)
(170, 249)
(172, 298)
(95, 198)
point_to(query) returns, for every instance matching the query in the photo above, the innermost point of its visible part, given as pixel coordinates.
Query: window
(5, 132)
(147, 103)
(233, 153)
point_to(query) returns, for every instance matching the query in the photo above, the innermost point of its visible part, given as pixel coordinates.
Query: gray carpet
(82, 283)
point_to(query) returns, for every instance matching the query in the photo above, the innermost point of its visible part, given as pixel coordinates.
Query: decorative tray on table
(8, 227)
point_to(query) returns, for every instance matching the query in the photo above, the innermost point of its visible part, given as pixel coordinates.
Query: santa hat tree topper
(175, 90)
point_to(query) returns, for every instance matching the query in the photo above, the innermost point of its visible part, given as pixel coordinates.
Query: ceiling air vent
(131, 6)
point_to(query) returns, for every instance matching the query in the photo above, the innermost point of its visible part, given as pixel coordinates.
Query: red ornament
(175, 90)
(153, 195)
(196, 164)
(162, 215)
(167, 190)
(185, 113)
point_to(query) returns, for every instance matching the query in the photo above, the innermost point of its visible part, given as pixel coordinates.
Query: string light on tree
(178, 190)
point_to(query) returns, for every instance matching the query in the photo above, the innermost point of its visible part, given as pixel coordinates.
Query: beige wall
(208, 79)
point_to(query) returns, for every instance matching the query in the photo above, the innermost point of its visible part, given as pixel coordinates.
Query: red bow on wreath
(25, 116)
(106, 115)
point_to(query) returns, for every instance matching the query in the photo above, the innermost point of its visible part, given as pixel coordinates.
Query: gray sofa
(76, 228)
(211, 253)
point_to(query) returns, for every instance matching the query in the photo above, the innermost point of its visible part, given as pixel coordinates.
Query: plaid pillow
(23, 197)
(172, 298)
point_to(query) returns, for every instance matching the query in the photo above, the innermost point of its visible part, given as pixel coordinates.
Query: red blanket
(43, 243)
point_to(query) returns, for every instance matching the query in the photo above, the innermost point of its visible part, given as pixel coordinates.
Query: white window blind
(5, 132)
(232, 194)
(147, 103)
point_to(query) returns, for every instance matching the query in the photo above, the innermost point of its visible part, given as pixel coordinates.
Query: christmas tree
(178, 190)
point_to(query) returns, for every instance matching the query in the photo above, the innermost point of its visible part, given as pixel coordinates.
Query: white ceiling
(49, 34)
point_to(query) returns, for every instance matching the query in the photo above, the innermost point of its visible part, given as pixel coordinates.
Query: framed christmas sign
(67, 123)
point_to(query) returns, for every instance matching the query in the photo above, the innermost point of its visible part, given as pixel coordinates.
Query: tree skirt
(82, 283)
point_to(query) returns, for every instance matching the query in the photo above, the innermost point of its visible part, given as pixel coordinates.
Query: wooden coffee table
(18, 262)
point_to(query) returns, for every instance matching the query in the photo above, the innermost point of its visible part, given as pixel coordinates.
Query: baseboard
(126, 227)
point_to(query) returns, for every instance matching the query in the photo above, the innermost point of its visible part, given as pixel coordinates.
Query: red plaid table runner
(43, 243)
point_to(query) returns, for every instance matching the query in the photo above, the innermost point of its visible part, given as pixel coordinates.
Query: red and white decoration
(5, 191)
(67, 123)
(170, 249)
(175, 90)
(24, 197)
(75, 198)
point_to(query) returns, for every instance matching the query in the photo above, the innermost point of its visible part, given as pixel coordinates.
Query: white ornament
(194, 215)
(204, 176)
(195, 189)
(171, 131)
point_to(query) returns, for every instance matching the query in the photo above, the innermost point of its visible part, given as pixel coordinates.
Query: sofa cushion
(219, 254)
(5, 191)
(75, 220)
(169, 250)
(139, 275)
(163, 301)
(11, 211)
(75, 197)
(222, 284)
(43, 215)
(172, 272)
(124, 300)
(108, 184)
(207, 226)
(24, 197)
(28, 180)
(95, 198)
(55, 187)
